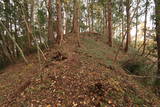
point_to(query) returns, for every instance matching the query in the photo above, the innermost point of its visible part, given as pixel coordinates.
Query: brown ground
(78, 81)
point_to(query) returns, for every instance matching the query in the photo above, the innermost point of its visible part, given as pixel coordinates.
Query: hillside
(74, 77)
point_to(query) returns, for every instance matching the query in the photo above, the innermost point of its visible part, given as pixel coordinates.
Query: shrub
(135, 66)
(3, 62)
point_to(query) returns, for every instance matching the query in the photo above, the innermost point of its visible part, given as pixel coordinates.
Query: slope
(74, 77)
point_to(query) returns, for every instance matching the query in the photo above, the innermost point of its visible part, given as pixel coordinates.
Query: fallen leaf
(109, 102)
(48, 106)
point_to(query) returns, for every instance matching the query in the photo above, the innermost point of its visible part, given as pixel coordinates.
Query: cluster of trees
(29, 25)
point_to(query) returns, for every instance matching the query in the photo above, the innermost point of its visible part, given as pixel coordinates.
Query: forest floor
(75, 77)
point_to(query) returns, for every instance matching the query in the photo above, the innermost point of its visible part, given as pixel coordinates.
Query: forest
(79, 53)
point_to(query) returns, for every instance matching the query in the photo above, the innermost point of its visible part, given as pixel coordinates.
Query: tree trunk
(105, 28)
(75, 17)
(128, 25)
(157, 12)
(88, 8)
(145, 27)
(122, 24)
(5, 49)
(11, 37)
(110, 23)
(50, 33)
(29, 35)
(122, 31)
(59, 22)
(92, 17)
(76, 26)
(16, 38)
(32, 11)
(135, 45)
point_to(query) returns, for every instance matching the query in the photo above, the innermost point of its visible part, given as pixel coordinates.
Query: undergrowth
(132, 63)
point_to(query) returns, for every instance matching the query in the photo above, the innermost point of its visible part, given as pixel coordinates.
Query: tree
(145, 27)
(59, 22)
(157, 12)
(137, 14)
(76, 16)
(10, 36)
(88, 10)
(25, 12)
(128, 37)
(92, 14)
(109, 23)
(122, 24)
(50, 30)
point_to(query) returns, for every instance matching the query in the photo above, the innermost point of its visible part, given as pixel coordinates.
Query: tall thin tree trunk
(92, 17)
(137, 15)
(59, 22)
(122, 24)
(16, 37)
(105, 21)
(157, 12)
(122, 30)
(50, 32)
(32, 11)
(110, 23)
(145, 27)
(88, 8)
(135, 45)
(76, 26)
(29, 35)
(75, 17)
(128, 25)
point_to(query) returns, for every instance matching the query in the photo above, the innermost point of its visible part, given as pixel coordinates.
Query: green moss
(97, 50)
